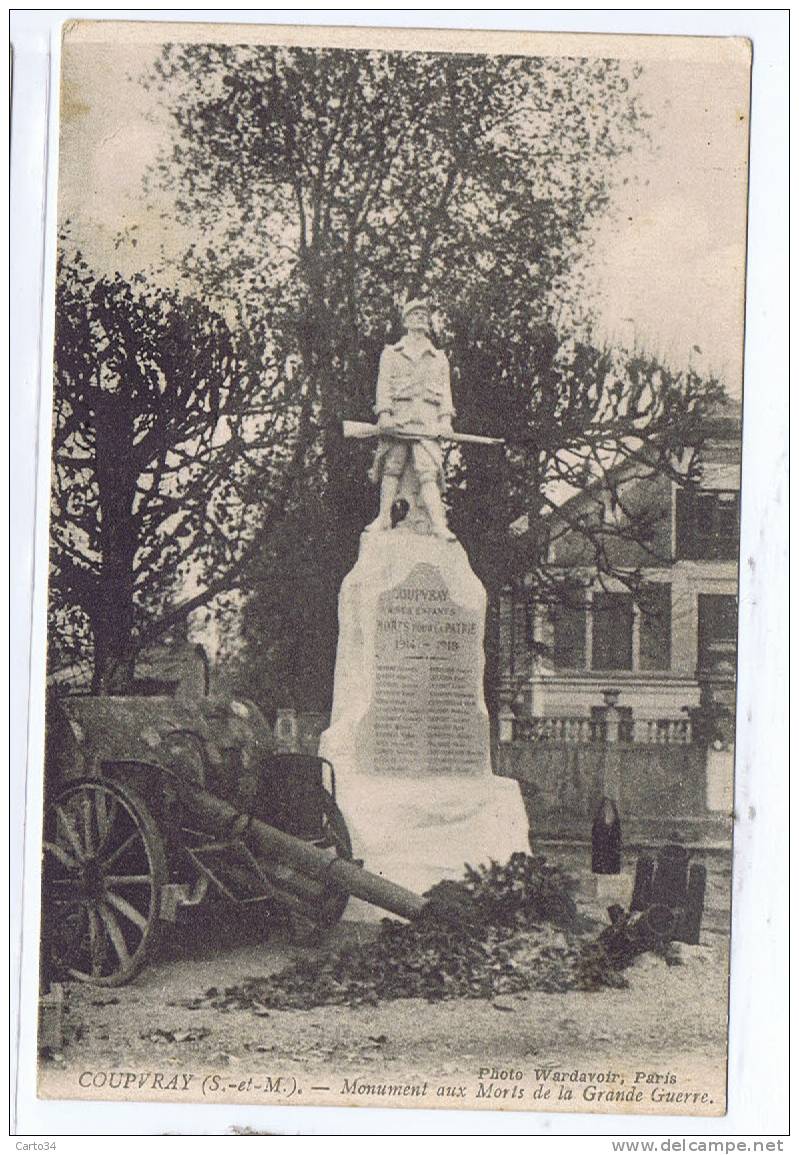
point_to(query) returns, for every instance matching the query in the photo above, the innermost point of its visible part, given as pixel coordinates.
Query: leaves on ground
(165, 1035)
(528, 937)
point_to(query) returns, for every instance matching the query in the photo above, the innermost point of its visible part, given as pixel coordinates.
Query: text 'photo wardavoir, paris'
(393, 570)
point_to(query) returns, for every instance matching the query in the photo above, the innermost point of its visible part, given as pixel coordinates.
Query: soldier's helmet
(416, 304)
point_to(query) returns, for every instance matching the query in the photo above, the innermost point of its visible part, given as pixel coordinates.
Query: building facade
(650, 650)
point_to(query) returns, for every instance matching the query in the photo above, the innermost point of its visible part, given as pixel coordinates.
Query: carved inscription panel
(426, 715)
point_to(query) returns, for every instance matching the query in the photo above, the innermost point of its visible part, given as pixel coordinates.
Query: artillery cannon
(153, 804)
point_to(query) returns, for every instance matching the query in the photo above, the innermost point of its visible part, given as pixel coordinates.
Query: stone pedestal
(409, 732)
(719, 782)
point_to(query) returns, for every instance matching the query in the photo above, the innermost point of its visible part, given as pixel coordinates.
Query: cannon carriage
(154, 804)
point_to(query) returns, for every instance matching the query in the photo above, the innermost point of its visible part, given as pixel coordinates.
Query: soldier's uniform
(413, 388)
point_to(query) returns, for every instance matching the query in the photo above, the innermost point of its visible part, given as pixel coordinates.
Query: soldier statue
(413, 400)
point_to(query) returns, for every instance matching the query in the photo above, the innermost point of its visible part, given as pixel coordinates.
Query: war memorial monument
(409, 732)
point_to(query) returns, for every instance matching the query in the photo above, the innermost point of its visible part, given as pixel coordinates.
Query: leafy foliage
(332, 185)
(522, 891)
(324, 187)
(155, 451)
(529, 938)
(342, 179)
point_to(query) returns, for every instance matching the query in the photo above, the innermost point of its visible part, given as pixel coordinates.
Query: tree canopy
(160, 415)
(325, 187)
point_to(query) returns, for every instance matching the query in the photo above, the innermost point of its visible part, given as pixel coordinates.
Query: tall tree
(331, 184)
(164, 422)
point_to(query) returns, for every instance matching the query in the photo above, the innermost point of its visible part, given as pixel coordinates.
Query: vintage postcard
(393, 574)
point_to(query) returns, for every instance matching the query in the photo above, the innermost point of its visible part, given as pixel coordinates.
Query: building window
(707, 524)
(612, 632)
(569, 640)
(718, 629)
(655, 635)
(614, 642)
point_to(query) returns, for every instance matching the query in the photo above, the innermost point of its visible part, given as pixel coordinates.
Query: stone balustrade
(662, 731)
(584, 731)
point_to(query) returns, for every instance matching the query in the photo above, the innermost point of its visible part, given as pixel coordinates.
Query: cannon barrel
(310, 861)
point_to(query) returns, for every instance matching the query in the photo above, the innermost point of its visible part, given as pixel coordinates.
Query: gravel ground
(668, 1016)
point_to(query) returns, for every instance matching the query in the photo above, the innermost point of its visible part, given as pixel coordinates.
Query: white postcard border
(759, 944)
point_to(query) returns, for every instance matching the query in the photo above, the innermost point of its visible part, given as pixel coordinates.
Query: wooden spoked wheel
(104, 867)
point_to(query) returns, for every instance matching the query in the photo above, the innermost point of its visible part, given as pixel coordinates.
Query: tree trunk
(112, 616)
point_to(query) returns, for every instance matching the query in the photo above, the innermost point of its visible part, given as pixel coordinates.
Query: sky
(669, 260)
(666, 269)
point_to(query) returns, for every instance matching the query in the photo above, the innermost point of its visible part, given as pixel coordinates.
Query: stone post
(611, 772)
(506, 719)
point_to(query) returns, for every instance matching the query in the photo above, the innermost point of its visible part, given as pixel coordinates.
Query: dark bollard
(671, 875)
(606, 839)
(642, 887)
(668, 900)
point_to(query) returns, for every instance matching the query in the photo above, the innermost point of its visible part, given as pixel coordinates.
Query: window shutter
(569, 648)
(612, 632)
